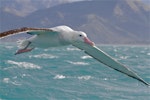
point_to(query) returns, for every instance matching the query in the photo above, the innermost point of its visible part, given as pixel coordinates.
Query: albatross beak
(88, 41)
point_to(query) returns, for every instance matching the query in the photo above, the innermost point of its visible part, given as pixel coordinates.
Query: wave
(72, 49)
(148, 54)
(9, 47)
(25, 65)
(77, 63)
(44, 56)
(124, 57)
(59, 77)
(86, 57)
(84, 77)
(7, 80)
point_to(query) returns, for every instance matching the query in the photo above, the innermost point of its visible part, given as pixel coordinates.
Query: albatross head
(80, 36)
(72, 36)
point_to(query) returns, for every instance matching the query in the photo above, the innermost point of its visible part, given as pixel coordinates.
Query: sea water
(67, 73)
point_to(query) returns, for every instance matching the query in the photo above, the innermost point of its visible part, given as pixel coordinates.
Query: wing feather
(104, 58)
(20, 30)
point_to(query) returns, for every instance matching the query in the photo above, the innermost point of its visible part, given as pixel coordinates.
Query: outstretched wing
(21, 30)
(104, 58)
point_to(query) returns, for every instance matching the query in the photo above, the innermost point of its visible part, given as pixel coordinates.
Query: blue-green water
(66, 73)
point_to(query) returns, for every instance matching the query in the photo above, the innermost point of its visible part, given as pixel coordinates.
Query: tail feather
(23, 44)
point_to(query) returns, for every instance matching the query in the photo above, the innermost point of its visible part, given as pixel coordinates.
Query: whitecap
(115, 50)
(15, 77)
(86, 77)
(6, 80)
(9, 47)
(142, 51)
(23, 75)
(25, 65)
(46, 49)
(124, 57)
(78, 63)
(148, 54)
(105, 79)
(86, 57)
(59, 77)
(72, 49)
(43, 56)
(16, 83)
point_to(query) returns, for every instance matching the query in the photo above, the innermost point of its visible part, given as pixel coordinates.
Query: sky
(146, 1)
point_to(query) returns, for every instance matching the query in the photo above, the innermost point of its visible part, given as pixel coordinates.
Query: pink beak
(88, 41)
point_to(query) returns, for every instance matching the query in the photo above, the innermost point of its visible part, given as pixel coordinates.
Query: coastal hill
(105, 21)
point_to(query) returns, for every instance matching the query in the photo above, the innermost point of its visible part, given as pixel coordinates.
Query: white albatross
(64, 35)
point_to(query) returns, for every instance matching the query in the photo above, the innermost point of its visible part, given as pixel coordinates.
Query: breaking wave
(84, 77)
(25, 65)
(77, 63)
(44, 56)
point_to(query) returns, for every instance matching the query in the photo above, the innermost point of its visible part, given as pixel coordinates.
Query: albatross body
(62, 36)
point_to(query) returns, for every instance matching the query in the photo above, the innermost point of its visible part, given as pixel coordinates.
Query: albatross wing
(104, 58)
(22, 30)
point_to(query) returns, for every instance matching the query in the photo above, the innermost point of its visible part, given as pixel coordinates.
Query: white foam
(44, 56)
(72, 49)
(9, 47)
(105, 79)
(124, 57)
(25, 65)
(6, 80)
(59, 77)
(16, 83)
(86, 57)
(86, 77)
(78, 63)
(148, 54)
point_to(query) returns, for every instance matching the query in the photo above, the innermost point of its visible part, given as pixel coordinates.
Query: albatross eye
(80, 35)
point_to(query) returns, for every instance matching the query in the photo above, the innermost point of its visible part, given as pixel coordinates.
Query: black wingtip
(147, 84)
(29, 33)
(144, 82)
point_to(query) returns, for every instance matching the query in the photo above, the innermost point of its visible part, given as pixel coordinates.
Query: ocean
(67, 73)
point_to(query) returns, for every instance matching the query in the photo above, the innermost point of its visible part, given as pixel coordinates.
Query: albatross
(62, 36)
